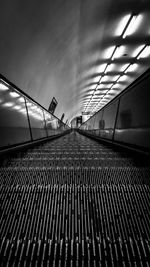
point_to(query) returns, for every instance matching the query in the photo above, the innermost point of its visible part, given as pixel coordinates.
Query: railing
(126, 119)
(22, 119)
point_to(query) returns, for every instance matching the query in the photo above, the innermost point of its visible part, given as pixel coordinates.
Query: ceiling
(82, 52)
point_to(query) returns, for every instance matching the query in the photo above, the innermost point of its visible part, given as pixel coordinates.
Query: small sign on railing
(53, 105)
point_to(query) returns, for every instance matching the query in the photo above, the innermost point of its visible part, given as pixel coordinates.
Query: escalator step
(74, 202)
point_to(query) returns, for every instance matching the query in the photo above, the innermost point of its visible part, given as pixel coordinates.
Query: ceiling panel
(81, 52)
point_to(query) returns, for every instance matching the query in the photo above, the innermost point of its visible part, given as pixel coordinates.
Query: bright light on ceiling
(101, 91)
(109, 79)
(110, 85)
(122, 78)
(131, 68)
(110, 67)
(109, 52)
(138, 50)
(125, 67)
(113, 90)
(133, 25)
(101, 68)
(116, 86)
(122, 24)
(100, 86)
(95, 80)
(118, 52)
(104, 79)
(92, 87)
(145, 52)
(117, 77)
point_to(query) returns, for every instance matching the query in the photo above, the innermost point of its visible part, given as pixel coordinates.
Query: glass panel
(37, 122)
(98, 118)
(83, 126)
(61, 127)
(53, 125)
(134, 108)
(90, 123)
(14, 127)
(109, 117)
(133, 121)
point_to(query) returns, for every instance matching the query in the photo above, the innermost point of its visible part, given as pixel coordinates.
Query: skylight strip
(133, 25)
(144, 52)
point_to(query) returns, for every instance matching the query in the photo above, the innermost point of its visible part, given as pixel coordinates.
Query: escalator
(75, 202)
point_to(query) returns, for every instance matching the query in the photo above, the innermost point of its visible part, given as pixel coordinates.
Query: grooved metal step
(74, 202)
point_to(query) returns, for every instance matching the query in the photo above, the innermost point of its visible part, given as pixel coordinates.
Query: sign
(53, 105)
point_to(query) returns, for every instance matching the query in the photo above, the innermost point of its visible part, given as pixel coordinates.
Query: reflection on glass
(21, 99)
(23, 109)
(3, 87)
(14, 94)
(14, 126)
(34, 111)
(14, 122)
(17, 107)
(36, 120)
(9, 104)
